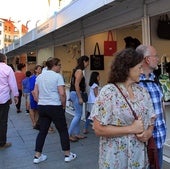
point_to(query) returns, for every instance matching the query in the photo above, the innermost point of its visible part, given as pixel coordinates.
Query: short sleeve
(103, 107)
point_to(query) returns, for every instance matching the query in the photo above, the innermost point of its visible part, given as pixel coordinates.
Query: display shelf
(166, 151)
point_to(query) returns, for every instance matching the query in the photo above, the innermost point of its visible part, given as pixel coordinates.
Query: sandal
(80, 137)
(73, 139)
(85, 131)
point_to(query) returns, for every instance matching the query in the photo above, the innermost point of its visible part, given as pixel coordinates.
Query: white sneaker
(39, 159)
(70, 157)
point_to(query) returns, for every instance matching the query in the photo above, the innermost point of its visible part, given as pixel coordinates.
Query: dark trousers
(18, 105)
(4, 109)
(55, 114)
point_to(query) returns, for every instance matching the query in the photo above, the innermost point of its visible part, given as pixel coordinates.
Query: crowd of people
(124, 113)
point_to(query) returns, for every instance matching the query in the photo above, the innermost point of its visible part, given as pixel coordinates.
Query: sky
(34, 11)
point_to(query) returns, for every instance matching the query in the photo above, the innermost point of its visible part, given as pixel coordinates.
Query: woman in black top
(77, 87)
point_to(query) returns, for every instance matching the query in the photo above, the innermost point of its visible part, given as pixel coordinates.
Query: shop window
(31, 59)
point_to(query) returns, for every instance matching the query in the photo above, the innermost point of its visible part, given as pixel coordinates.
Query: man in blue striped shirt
(148, 81)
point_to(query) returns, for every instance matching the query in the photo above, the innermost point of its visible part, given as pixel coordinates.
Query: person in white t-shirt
(50, 94)
(93, 93)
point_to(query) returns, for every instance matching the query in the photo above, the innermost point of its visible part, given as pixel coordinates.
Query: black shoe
(6, 145)
(18, 111)
(36, 127)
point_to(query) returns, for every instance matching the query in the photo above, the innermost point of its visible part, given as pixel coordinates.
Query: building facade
(10, 31)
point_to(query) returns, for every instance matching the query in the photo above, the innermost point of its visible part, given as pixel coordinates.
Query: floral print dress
(123, 152)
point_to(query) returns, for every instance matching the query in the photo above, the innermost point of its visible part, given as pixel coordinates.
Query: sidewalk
(22, 136)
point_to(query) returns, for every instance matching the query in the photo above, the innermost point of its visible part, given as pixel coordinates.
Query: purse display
(97, 60)
(110, 46)
(163, 29)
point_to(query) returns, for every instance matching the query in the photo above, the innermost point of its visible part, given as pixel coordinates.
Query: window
(31, 58)
(15, 29)
(0, 23)
(15, 37)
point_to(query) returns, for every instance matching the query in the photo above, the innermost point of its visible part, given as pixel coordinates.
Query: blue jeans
(74, 128)
(160, 157)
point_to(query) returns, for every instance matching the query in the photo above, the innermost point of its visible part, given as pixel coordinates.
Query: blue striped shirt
(155, 91)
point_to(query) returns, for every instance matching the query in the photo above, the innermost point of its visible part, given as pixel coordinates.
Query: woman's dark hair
(80, 62)
(36, 67)
(51, 62)
(93, 78)
(20, 66)
(28, 73)
(124, 60)
(11, 65)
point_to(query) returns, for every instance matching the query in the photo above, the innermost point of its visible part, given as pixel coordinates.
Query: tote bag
(110, 46)
(97, 60)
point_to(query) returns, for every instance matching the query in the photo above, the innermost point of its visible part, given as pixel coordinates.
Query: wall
(44, 54)
(68, 55)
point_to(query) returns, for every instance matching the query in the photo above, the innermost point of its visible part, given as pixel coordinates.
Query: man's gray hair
(144, 49)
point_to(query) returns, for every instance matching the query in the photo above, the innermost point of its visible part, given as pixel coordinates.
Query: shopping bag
(97, 60)
(110, 46)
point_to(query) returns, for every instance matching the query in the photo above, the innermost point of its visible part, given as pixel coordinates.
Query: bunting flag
(49, 2)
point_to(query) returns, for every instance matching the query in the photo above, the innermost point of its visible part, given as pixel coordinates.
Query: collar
(151, 77)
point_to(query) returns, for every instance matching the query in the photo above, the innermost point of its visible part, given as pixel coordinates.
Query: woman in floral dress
(122, 138)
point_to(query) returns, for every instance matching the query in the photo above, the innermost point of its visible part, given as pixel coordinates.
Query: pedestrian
(33, 104)
(78, 86)
(50, 94)
(149, 81)
(8, 84)
(93, 93)
(44, 68)
(26, 90)
(19, 75)
(123, 115)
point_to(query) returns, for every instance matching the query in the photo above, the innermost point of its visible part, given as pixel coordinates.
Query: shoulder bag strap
(133, 112)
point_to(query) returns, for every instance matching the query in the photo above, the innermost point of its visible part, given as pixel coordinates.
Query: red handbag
(152, 154)
(110, 46)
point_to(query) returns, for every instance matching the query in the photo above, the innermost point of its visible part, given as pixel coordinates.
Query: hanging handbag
(84, 96)
(97, 60)
(163, 29)
(151, 146)
(110, 46)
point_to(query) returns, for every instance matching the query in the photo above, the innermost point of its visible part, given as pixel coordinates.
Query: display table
(167, 142)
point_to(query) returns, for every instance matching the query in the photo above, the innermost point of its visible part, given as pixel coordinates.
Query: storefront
(71, 33)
